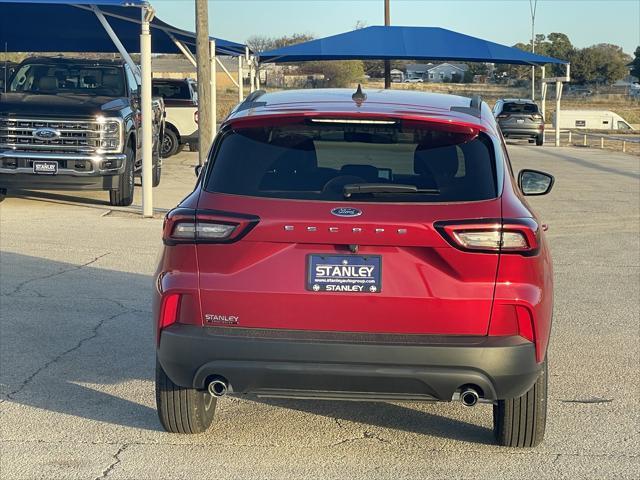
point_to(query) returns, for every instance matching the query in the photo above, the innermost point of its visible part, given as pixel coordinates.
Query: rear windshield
(80, 79)
(333, 162)
(520, 108)
(171, 90)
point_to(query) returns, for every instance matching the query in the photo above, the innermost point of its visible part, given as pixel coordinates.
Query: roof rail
(250, 101)
(474, 108)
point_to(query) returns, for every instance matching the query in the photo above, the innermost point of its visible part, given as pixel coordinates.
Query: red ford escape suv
(357, 246)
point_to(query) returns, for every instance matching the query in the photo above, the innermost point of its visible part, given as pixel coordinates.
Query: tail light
(503, 116)
(511, 320)
(536, 116)
(196, 116)
(170, 309)
(183, 225)
(492, 236)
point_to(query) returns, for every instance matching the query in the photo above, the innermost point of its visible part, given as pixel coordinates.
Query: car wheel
(520, 422)
(170, 143)
(122, 196)
(157, 172)
(540, 140)
(180, 409)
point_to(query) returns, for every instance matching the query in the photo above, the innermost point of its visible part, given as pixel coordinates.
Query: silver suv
(520, 118)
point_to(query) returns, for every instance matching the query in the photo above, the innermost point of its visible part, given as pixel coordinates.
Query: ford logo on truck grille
(346, 212)
(46, 133)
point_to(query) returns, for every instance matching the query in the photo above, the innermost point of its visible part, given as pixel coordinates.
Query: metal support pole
(224, 69)
(203, 56)
(601, 142)
(213, 87)
(387, 63)
(185, 51)
(584, 140)
(116, 41)
(570, 137)
(533, 4)
(558, 97)
(252, 74)
(147, 114)
(240, 82)
(624, 146)
(543, 92)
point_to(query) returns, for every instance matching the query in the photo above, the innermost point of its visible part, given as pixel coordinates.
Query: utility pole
(387, 63)
(533, 4)
(203, 59)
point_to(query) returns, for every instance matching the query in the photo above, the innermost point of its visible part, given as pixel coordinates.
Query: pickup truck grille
(70, 136)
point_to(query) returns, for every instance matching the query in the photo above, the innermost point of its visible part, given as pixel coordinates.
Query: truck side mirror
(198, 169)
(534, 182)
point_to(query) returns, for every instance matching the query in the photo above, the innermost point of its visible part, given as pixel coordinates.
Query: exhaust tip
(218, 387)
(469, 397)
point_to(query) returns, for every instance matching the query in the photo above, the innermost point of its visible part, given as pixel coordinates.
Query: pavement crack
(588, 400)
(21, 285)
(116, 461)
(93, 334)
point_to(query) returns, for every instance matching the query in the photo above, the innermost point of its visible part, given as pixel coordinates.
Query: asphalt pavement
(77, 354)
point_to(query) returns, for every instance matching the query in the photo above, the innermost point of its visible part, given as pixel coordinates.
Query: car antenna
(359, 96)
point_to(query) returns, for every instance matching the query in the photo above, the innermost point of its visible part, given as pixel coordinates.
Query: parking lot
(77, 353)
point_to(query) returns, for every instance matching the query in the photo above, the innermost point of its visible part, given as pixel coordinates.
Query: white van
(592, 120)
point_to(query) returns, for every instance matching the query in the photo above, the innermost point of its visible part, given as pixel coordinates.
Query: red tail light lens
(170, 308)
(511, 320)
(491, 236)
(204, 226)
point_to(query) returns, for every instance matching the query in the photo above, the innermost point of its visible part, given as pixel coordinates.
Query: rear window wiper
(385, 188)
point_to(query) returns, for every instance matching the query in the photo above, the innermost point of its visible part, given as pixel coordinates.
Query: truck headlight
(110, 135)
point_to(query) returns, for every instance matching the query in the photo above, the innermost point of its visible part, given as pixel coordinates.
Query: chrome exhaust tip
(218, 387)
(469, 397)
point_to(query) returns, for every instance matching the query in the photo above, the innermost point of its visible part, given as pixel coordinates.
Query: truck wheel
(123, 195)
(157, 171)
(170, 143)
(540, 140)
(182, 410)
(520, 422)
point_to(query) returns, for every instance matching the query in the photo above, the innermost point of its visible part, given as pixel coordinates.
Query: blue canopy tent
(105, 26)
(415, 43)
(37, 26)
(405, 43)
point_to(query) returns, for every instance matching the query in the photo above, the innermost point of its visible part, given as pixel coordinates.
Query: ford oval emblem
(46, 133)
(346, 212)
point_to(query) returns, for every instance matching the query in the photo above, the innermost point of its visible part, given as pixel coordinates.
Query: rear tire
(170, 143)
(122, 196)
(157, 172)
(182, 410)
(540, 140)
(520, 422)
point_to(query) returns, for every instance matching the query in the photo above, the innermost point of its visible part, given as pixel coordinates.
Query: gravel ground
(77, 355)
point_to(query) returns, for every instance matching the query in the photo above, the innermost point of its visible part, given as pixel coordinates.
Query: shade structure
(72, 26)
(405, 43)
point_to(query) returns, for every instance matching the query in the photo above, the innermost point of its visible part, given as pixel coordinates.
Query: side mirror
(533, 182)
(198, 169)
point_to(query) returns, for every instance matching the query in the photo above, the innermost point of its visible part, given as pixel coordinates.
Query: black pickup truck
(70, 124)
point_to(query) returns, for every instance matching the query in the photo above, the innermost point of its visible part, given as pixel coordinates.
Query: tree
(635, 65)
(260, 43)
(602, 63)
(337, 73)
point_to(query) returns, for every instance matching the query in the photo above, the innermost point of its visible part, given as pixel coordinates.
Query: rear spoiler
(474, 108)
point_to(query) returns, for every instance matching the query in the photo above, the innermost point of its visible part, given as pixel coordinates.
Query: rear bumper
(347, 366)
(532, 131)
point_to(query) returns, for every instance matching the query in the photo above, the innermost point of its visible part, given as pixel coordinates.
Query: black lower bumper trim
(57, 182)
(499, 367)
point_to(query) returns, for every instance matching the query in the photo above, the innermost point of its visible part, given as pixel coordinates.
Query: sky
(586, 22)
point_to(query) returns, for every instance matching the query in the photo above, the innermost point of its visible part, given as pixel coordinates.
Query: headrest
(441, 161)
(368, 172)
(48, 83)
(112, 81)
(299, 156)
